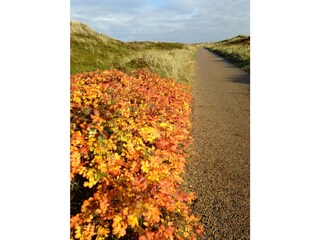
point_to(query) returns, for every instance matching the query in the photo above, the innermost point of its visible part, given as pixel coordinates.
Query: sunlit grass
(176, 63)
(236, 49)
(91, 51)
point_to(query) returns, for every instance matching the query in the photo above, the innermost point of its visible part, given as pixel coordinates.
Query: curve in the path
(219, 172)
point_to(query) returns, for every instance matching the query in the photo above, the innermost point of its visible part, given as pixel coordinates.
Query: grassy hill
(91, 51)
(236, 49)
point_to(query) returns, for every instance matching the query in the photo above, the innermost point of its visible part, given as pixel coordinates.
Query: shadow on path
(241, 77)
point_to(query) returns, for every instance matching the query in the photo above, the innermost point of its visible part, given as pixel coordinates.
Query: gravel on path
(219, 171)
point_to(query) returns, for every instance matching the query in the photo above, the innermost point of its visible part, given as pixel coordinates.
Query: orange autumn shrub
(130, 136)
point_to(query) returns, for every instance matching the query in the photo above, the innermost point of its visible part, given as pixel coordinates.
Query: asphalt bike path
(219, 172)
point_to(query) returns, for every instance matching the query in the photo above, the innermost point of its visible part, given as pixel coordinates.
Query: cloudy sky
(188, 21)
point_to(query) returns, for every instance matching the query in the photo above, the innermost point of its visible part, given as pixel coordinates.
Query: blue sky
(188, 21)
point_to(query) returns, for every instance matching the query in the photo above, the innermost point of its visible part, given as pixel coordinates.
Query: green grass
(236, 49)
(91, 51)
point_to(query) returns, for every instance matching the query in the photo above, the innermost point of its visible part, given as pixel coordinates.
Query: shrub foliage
(130, 137)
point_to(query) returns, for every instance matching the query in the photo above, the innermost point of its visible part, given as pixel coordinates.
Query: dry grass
(236, 49)
(177, 63)
(82, 33)
(91, 51)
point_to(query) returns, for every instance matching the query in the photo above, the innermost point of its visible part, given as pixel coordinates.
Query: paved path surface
(220, 171)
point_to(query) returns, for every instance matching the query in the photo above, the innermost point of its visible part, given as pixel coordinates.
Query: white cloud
(113, 19)
(180, 20)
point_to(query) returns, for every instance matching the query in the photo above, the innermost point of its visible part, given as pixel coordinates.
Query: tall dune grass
(177, 63)
(91, 51)
(236, 49)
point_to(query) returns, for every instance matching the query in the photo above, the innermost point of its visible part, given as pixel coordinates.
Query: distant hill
(79, 30)
(240, 39)
(236, 49)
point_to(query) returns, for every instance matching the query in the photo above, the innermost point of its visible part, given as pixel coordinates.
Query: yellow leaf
(86, 184)
(116, 156)
(133, 221)
(102, 232)
(78, 232)
(163, 124)
(119, 228)
(145, 166)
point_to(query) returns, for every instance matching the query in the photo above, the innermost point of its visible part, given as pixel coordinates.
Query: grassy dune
(91, 51)
(236, 49)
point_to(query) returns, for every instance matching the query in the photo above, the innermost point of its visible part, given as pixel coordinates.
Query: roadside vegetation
(130, 138)
(175, 63)
(236, 49)
(91, 51)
